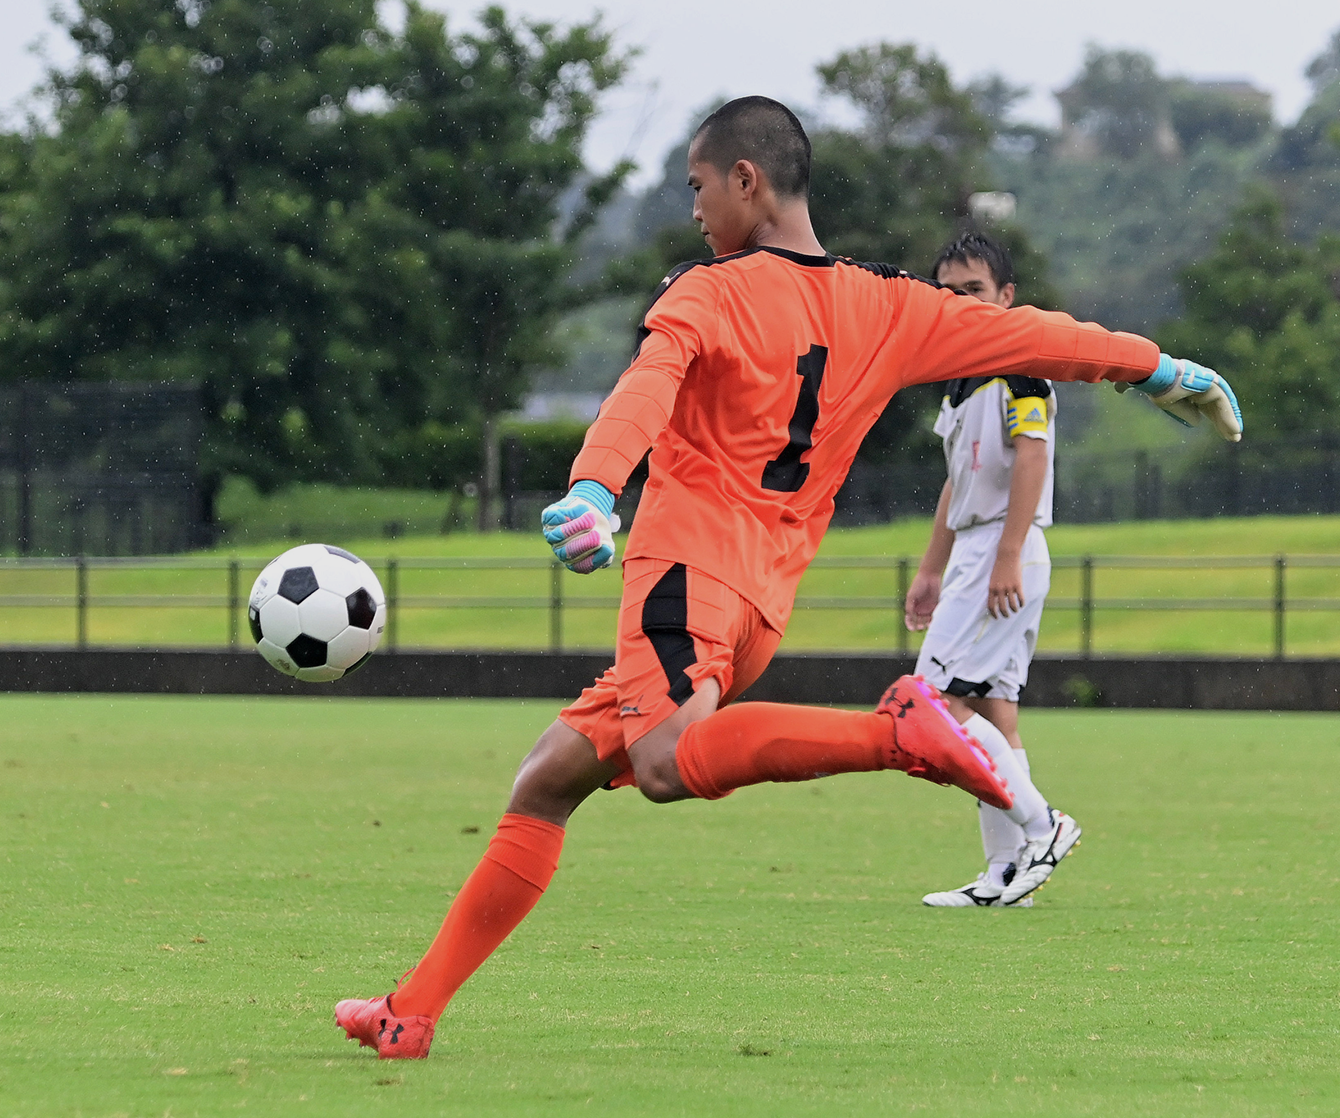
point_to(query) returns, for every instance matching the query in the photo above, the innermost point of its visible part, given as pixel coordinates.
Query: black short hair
(977, 246)
(766, 133)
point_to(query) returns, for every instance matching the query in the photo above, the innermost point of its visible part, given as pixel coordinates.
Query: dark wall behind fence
(101, 469)
(850, 680)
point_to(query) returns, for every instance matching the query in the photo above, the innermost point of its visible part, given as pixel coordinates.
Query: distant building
(1238, 89)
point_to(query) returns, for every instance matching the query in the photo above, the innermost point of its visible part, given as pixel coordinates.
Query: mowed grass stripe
(191, 884)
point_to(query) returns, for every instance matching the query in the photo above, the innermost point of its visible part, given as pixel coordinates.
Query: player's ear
(745, 175)
(1007, 295)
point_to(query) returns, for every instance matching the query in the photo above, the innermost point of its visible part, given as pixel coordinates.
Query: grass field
(316, 511)
(191, 884)
(1235, 632)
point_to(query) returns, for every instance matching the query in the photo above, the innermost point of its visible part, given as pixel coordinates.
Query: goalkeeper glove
(580, 528)
(1187, 391)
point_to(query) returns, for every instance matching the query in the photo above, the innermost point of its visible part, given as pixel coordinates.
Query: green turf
(316, 511)
(191, 884)
(1228, 631)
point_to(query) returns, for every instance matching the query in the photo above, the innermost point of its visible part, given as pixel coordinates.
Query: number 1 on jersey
(787, 473)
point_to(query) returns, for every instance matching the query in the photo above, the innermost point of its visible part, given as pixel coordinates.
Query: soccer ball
(317, 612)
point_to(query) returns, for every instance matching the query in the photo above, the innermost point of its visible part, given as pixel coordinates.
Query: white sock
(1040, 826)
(1030, 809)
(1002, 839)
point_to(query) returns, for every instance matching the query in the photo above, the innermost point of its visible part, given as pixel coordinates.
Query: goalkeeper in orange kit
(756, 377)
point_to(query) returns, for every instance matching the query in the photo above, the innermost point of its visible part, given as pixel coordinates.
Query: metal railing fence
(556, 600)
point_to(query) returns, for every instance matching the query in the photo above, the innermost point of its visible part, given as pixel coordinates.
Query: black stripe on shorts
(962, 688)
(665, 620)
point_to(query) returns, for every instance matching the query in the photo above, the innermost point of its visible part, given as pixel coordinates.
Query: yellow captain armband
(1026, 415)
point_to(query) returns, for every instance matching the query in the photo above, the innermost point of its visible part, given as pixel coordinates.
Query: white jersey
(979, 418)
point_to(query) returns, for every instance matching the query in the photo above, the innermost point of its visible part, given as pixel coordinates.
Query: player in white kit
(982, 583)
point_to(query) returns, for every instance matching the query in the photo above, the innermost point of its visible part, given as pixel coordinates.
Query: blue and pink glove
(580, 528)
(1188, 392)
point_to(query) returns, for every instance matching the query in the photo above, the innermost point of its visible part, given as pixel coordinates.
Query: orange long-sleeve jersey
(758, 375)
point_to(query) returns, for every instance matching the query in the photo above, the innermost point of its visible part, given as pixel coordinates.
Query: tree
(897, 187)
(994, 98)
(1314, 140)
(1142, 179)
(1324, 70)
(1120, 101)
(1265, 311)
(1202, 111)
(346, 236)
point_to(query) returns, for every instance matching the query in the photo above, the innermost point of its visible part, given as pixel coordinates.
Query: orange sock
(513, 874)
(749, 743)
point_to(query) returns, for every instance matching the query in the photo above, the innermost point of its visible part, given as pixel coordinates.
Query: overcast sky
(695, 50)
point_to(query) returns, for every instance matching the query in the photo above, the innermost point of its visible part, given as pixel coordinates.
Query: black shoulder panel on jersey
(960, 389)
(892, 271)
(1028, 386)
(887, 271)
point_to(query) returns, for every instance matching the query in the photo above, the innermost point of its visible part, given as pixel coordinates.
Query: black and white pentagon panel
(298, 584)
(317, 612)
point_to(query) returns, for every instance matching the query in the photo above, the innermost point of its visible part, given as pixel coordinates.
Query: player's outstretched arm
(580, 527)
(943, 335)
(1188, 392)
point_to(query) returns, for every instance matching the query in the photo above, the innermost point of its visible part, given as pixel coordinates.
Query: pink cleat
(928, 742)
(373, 1025)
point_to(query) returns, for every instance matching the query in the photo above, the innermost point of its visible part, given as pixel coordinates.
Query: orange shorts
(677, 627)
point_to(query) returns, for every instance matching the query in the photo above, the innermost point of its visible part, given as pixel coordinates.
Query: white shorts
(968, 652)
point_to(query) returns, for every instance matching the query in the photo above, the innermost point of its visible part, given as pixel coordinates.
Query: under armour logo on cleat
(396, 1033)
(903, 707)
